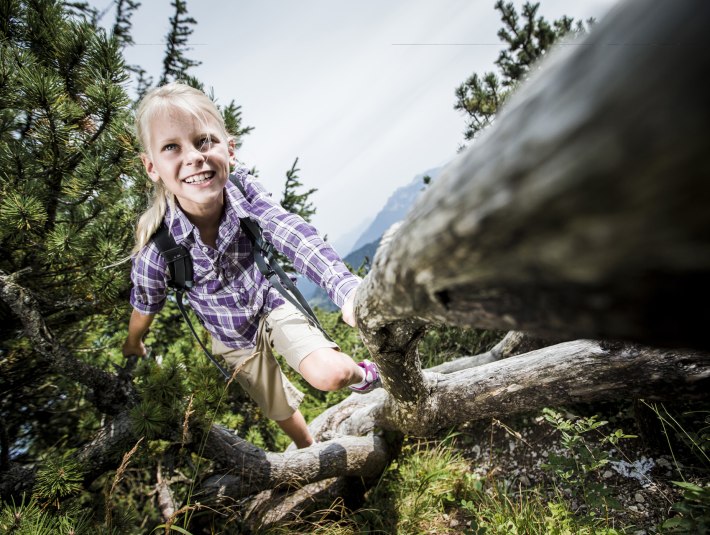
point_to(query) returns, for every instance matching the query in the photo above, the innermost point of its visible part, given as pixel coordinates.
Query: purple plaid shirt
(230, 294)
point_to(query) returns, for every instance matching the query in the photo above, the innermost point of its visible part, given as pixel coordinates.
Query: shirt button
(204, 248)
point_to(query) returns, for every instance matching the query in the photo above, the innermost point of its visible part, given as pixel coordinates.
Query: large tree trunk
(580, 371)
(259, 470)
(582, 211)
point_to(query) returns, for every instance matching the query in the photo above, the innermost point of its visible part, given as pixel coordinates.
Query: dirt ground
(638, 477)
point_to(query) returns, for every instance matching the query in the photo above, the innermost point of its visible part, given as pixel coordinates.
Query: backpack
(179, 263)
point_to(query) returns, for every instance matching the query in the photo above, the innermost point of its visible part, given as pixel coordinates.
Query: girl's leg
(316, 358)
(328, 369)
(259, 374)
(296, 429)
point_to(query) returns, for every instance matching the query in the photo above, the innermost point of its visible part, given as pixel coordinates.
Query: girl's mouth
(199, 178)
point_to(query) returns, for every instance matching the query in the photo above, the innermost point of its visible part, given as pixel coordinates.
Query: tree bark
(580, 371)
(274, 508)
(259, 470)
(582, 212)
(102, 454)
(164, 496)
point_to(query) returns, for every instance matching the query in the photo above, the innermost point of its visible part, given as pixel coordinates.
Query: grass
(431, 488)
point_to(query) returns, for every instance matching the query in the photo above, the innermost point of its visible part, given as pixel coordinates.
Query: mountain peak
(396, 208)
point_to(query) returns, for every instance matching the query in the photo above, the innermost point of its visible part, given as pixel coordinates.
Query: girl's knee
(328, 370)
(329, 379)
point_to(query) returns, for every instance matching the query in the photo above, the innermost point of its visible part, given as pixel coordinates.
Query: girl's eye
(170, 147)
(204, 144)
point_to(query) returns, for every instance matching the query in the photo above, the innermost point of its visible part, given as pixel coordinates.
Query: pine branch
(176, 63)
(109, 393)
(123, 25)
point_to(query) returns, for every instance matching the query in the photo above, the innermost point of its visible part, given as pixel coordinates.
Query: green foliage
(232, 114)
(31, 518)
(415, 491)
(693, 509)
(66, 158)
(171, 527)
(430, 488)
(68, 203)
(480, 97)
(58, 479)
(292, 200)
(125, 9)
(493, 509)
(297, 203)
(528, 41)
(687, 433)
(579, 465)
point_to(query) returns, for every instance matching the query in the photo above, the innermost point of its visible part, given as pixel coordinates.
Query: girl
(188, 155)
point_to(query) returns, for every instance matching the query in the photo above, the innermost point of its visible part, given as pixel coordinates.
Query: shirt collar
(236, 202)
(235, 208)
(178, 224)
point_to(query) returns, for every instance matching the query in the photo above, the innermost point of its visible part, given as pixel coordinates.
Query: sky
(362, 92)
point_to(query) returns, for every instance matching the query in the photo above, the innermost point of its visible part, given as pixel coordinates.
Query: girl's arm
(148, 294)
(137, 328)
(300, 242)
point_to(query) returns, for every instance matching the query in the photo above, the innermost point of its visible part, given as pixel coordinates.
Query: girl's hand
(348, 311)
(131, 348)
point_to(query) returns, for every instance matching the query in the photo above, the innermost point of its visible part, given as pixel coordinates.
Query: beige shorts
(287, 331)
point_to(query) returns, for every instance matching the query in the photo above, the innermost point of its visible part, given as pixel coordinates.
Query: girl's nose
(194, 156)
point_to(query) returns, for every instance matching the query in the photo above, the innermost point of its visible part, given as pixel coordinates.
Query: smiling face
(191, 156)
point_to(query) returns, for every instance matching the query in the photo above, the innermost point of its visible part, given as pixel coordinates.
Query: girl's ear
(150, 167)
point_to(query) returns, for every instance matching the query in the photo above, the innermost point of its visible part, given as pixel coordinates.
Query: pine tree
(480, 96)
(66, 157)
(176, 63)
(297, 203)
(70, 191)
(292, 200)
(125, 9)
(67, 206)
(232, 114)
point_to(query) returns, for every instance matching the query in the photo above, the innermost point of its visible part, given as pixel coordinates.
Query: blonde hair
(156, 103)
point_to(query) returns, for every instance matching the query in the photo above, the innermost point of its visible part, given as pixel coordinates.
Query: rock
(607, 474)
(663, 462)
(639, 498)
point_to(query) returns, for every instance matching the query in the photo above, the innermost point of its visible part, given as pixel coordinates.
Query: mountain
(395, 208)
(317, 296)
(344, 244)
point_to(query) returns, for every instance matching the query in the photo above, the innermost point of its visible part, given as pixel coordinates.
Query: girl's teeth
(197, 179)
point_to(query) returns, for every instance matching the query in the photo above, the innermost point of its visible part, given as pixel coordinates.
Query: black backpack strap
(271, 269)
(177, 257)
